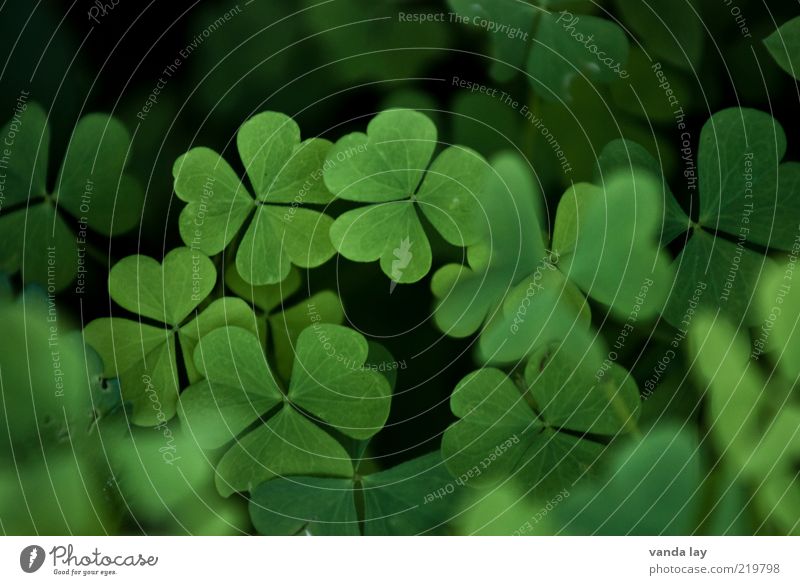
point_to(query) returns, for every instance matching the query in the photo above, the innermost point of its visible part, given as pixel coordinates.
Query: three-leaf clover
(329, 386)
(536, 432)
(552, 47)
(415, 497)
(91, 186)
(284, 174)
(604, 243)
(141, 353)
(388, 168)
(745, 194)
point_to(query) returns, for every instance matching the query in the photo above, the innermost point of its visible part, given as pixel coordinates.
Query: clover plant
(92, 193)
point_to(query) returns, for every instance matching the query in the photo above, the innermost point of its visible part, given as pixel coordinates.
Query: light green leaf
(651, 488)
(224, 312)
(166, 292)
(266, 142)
(279, 237)
(390, 232)
(511, 246)
(239, 387)
(266, 297)
(142, 357)
(385, 164)
(616, 257)
(218, 203)
(449, 196)
(626, 155)
(330, 381)
(287, 444)
(285, 327)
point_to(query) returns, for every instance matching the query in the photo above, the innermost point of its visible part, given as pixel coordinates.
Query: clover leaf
(141, 353)
(415, 497)
(537, 433)
(91, 187)
(651, 487)
(604, 244)
(282, 170)
(744, 192)
(388, 167)
(329, 386)
(674, 35)
(784, 46)
(553, 47)
(510, 249)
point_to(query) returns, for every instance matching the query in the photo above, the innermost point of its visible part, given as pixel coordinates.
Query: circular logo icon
(31, 558)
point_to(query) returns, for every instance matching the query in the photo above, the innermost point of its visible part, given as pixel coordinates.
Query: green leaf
(740, 152)
(239, 387)
(287, 444)
(279, 237)
(651, 488)
(227, 311)
(495, 429)
(626, 155)
(400, 501)
(142, 357)
(37, 241)
(317, 506)
(166, 292)
(511, 246)
(166, 480)
(385, 167)
(281, 169)
(387, 163)
(571, 394)
(449, 196)
(265, 144)
(714, 273)
(389, 232)
(218, 203)
(784, 46)
(330, 381)
(673, 33)
(568, 46)
(535, 435)
(508, 50)
(26, 175)
(616, 258)
(266, 297)
(285, 327)
(544, 306)
(92, 183)
(404, 500)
